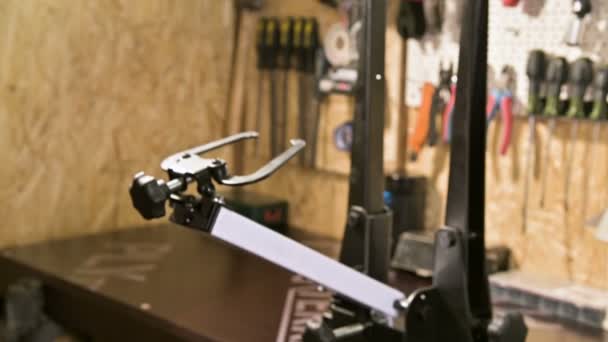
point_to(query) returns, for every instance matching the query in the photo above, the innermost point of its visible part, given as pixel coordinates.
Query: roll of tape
(337, 45)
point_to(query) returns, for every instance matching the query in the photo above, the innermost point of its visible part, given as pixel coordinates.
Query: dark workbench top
(166, 283)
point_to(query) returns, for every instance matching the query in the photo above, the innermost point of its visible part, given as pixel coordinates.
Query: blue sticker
(343, 137)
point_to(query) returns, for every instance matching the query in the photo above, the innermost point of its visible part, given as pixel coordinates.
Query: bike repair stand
(457, 306)
(366, 244)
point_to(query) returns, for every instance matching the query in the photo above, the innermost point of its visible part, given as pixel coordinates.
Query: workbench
(167, 283)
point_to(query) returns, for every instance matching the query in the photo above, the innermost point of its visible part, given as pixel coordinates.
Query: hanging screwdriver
(580, 9)
(310, 65)
(557, 75)
(600, 109)
(262, 71)
(298, 50)
(306, 44)
(535, 70)
(285, 64)
(598, 114)
(411, 22)
(272, 48)
(581, 76)
(510, 3)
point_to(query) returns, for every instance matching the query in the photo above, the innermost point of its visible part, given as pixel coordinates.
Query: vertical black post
(367, 175)
(466, 190)
(367, 235)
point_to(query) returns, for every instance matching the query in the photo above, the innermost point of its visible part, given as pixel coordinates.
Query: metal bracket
(149, 195)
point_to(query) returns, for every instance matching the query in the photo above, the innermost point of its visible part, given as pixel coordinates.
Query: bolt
(446, 239)
(402, 304)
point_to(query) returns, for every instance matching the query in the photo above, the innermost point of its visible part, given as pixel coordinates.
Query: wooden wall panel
(93, 91)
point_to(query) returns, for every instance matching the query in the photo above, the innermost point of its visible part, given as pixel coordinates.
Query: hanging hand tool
(306, 45)
(298, 49)
(581, 76)
(272, 47)
(434, 102)
(448, 113)
(501, 99)
(321, 65)
(510, 3)
(410, 19)
(425, 116)
(535, 70)
(599, 113)
(434, 13)
(441, 98)
(600, 109)
(262, 73)
(580, 8)
(557, 75)
(285, 64)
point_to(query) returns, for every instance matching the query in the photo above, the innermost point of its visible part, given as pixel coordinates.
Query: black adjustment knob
(149, 196)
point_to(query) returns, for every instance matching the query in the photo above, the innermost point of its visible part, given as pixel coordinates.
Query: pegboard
(513, 33)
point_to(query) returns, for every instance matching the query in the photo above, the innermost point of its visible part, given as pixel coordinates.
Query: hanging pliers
(501, 99)
(441, 99)
(434, 102)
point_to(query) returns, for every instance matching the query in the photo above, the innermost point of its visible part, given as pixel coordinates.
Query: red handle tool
(506, 108)
(447, 116)
(510, 3)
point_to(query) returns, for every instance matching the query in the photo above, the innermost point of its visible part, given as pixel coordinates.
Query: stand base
(347, 322)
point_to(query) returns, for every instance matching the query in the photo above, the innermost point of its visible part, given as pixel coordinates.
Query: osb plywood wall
(93, 91)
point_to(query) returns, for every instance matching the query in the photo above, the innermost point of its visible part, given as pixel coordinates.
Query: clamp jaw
(149, 195)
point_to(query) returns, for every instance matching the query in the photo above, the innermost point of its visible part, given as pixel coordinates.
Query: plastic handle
(492, 106)
(507, 117)
(510, 3)
(447, 116)
(423, 120)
